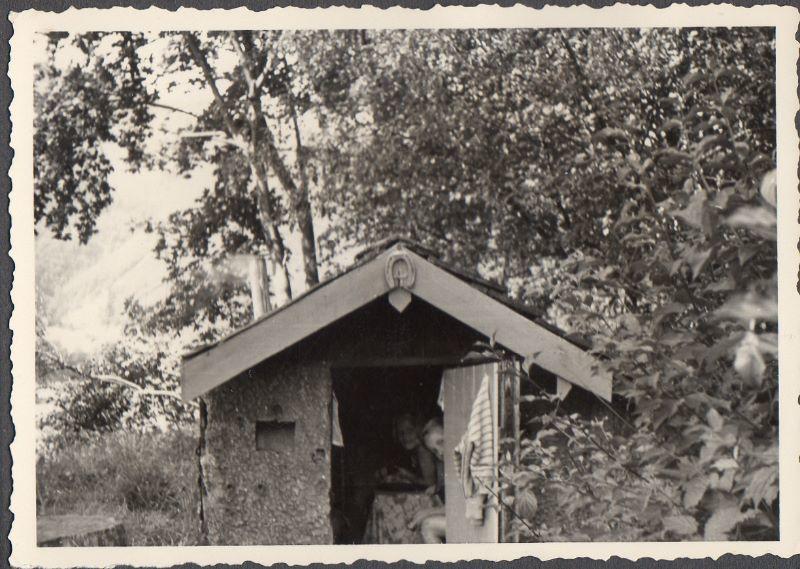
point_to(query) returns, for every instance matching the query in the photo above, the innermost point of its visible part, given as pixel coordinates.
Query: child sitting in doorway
(431, 521)
(412, 462)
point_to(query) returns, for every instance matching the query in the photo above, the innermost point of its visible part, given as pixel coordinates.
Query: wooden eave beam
(508, 328)
(284, 328)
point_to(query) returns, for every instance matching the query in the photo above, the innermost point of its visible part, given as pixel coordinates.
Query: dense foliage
(621, 181)
(685, 319)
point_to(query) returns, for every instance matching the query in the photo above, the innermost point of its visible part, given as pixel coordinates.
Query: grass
(146, 481)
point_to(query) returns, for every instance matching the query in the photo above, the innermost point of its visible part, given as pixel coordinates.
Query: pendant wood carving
(400, 298)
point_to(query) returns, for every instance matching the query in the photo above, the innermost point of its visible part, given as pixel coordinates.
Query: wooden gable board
(345, 294)
(508, 328)
(283, 328)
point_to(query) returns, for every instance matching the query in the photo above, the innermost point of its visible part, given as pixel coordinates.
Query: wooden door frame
(508, 426)
(465, 402)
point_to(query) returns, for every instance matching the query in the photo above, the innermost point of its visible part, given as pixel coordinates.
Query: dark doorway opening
(370, 401)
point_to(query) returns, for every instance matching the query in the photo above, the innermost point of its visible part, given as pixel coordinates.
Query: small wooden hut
(392, 332)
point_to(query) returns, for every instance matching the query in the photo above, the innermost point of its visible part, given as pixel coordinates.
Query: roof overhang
(330, 301)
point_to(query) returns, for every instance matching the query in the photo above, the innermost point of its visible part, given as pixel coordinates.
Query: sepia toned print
(368, 286)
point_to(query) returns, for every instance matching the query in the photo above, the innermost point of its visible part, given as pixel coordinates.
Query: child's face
(407, 435)
(434, 440)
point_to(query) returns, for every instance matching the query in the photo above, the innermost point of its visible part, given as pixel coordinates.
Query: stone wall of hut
(277, 494)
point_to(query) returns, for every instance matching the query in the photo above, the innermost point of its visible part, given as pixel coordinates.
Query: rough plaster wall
(259, 497)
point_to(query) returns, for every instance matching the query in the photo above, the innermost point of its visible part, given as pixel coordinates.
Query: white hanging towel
(337, 439)
(475, 455)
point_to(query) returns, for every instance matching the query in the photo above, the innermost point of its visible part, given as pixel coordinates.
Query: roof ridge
(391, 241)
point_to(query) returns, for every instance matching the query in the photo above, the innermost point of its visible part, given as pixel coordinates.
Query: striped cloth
(475, 455)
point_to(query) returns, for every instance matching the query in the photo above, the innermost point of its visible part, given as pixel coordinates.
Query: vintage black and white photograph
(406, 286)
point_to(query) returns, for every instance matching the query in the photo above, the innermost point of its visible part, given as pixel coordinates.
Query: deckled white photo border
(25, 553)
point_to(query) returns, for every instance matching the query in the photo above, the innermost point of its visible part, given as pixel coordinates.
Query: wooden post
(515, 399)
(510, 429)
(503, 401)
(258, 278)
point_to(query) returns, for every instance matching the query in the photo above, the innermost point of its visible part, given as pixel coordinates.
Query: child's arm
(425, 513)
(427, 466)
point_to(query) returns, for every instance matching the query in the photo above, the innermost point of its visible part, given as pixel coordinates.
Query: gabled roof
(477, 303)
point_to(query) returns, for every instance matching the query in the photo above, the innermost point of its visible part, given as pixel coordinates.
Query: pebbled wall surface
(267, 497)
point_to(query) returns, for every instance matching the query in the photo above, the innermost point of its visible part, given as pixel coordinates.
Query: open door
(461, 386)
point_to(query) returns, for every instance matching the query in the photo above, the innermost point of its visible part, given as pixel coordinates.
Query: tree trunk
(200, 453)
(305, 220)
(266, 209)
(308, 245)
(272, 236)
(264, 141)
(301, 208)
(258, 278)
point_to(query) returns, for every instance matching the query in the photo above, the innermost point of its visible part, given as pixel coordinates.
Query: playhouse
(300, 403)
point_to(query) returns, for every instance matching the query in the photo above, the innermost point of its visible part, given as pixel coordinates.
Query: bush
(147, 480)
(83, 406)
(74, 409)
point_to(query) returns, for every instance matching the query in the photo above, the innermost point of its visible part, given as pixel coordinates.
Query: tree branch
(107, 378)
(216, 134)
(583, 82)
(222, 135)
(173, 109)
(202, 62)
